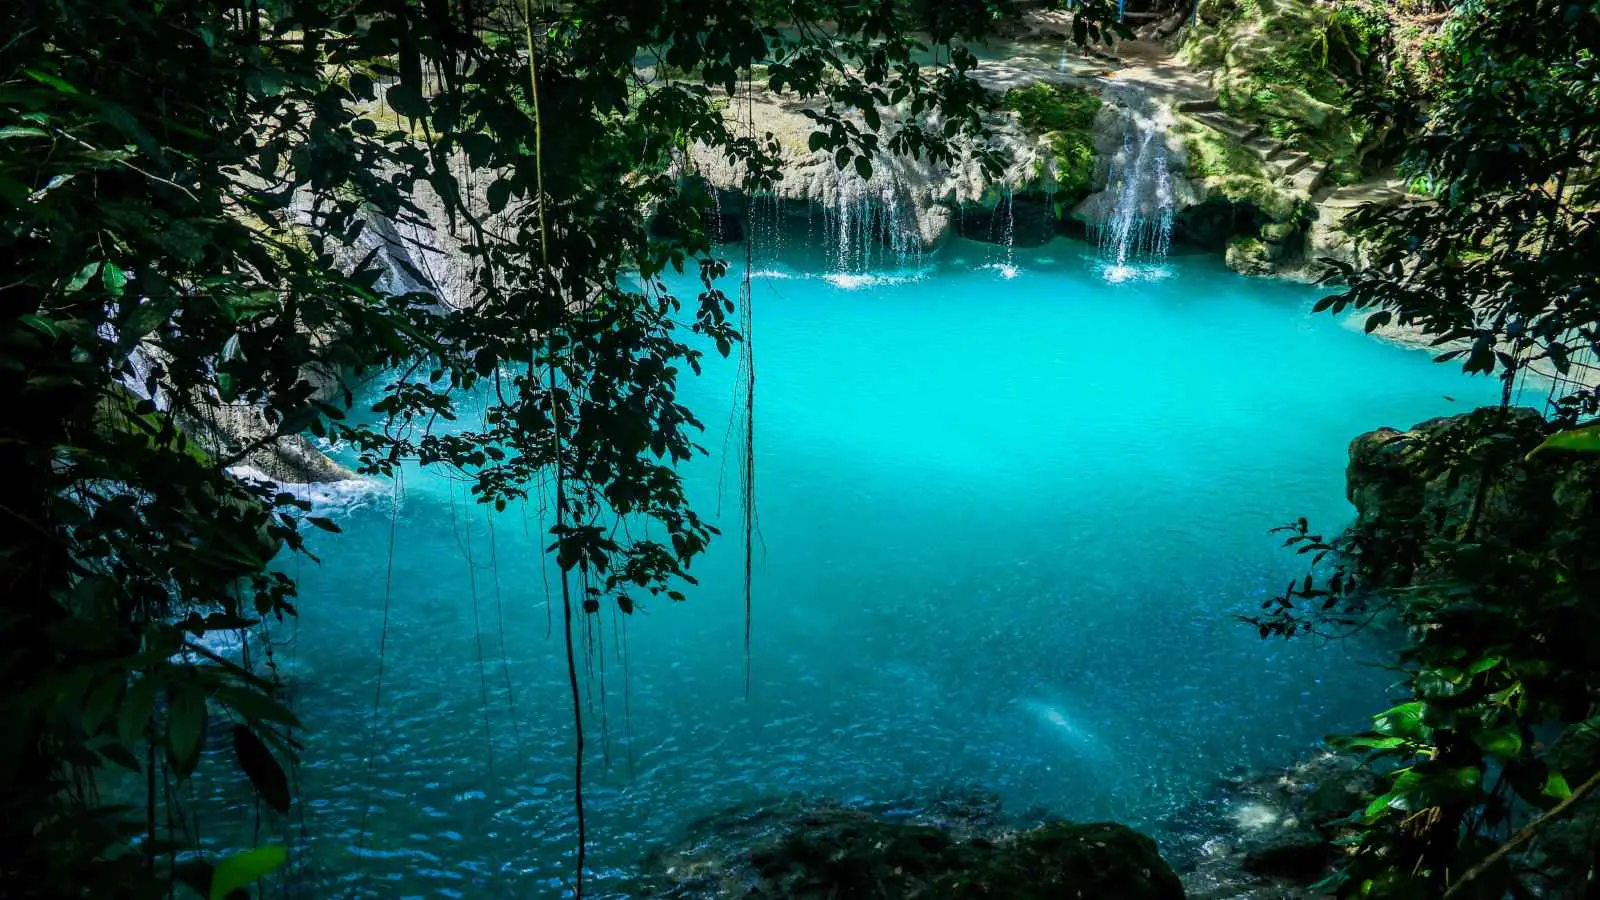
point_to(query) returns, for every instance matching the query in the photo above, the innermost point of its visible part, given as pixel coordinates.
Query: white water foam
(324, 497)
(855, 282)
(1119, 273)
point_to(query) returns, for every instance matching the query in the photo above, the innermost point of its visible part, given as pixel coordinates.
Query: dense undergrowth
(1476, 533)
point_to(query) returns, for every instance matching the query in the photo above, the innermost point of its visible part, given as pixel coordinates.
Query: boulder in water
(1295, 854)
(827, 850)
(1066, 860)
(1249, 256)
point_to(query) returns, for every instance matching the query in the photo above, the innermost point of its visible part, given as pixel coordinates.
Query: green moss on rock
(1249, 255)
(1063, 117)
(1284, 64)
(1211, 154)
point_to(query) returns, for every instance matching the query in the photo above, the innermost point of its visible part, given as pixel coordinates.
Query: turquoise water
(1007, 516)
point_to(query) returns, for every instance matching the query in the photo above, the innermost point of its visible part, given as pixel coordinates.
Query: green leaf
(498, 195)
(143, 318)
(101, 699)
(118, 754)
(1504, 742)
(261, 768)
(82, 278)
(1403, 721)
(1556, 787)
(240, 870)
(406, 101)
(113, 278)
(134, 716)
(186, 726)
(1484, 665)
(1364, 742)
(361, 86)
(45, 78)
(255, 705)
(42, 325)
(1378, 806)
(10, 132)
(1537, 784)
(1579, 440)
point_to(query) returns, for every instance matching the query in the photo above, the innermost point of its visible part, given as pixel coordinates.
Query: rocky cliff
(1433, 479)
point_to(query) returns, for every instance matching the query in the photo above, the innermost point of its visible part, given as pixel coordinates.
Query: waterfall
(715, 230)
(1138, 229)
(766, 231)
(872, 225)
(1007, 267)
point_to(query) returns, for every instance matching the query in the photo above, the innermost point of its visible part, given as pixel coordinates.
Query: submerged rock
(948, 849)
(1270, 834)
(1293, 854)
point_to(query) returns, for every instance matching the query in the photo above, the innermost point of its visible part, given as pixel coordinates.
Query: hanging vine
(177, 210)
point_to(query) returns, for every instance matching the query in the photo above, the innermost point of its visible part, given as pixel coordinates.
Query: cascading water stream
(871, 226)
(1007, 226)
(1138, 230)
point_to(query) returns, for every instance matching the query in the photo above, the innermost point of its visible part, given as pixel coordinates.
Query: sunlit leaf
(1579, 440)
(1403, 721)
(243, 869)
(1504, 742)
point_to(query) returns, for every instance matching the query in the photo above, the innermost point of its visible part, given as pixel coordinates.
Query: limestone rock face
(1244, 46)
(290, 459)
(1020, 220)
(917, 195)
(419, 252)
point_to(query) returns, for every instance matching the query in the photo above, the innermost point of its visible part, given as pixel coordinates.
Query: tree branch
(1528, 831)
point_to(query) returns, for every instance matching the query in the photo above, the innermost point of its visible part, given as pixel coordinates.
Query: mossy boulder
(1237, 198)
(1062, 860)
(855, 855)
(1340, 791)
(1249, 255)
(1062, 118)
(1300, 854)
(831, 851)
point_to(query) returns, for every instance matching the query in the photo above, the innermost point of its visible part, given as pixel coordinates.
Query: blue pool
(1008, 511)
